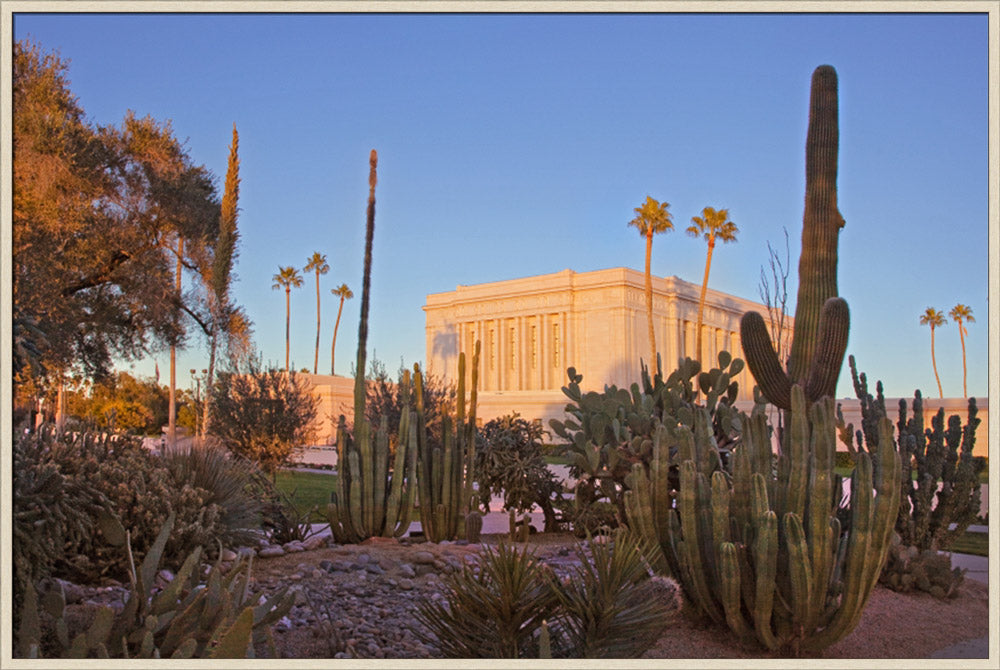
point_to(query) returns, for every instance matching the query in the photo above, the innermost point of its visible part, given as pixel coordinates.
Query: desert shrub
(509, 462)
(262, 415)
(383, 398)
(206, 491)
(51, 512)
(498, 606)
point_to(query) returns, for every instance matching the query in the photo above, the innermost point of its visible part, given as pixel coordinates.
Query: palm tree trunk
(288, 319)
(333, 347)
(934, 363)
(961, 335)
(649, 302)
(701, 300)
(172, 410)
(316, 358)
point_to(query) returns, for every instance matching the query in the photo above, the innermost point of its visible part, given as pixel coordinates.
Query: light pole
(197, 399)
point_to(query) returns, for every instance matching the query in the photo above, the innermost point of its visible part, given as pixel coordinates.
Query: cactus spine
(446, 471)
(765, 553)
(822, 319)
(374, 495)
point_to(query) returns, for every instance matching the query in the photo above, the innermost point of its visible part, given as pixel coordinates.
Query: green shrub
(262, 415)
(509, 462)
(206, 490)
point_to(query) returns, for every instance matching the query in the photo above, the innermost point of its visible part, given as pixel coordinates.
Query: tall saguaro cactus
(822, 319)
(375, 489)
(764, 551)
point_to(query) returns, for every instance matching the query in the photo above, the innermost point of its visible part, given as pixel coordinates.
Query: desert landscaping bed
(357, 601)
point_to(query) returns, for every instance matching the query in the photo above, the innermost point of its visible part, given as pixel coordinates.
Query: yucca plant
(510, 605)
(610, 607)
(491, 609)
(228, 481)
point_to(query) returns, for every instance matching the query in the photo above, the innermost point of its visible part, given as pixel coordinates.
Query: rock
(363, 558)
(407, 570)
(271, 551)
(293, 547)
(314, 542)
(326, 565)
(423, 557)
(406, 584)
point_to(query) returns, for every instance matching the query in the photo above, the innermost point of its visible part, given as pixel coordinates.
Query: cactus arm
(766, 561)
(820, 534)
(797, 451)
(381, 466)
(799, 568)
(692, 543)
(729, 575)
(763, 361)
(858, 560)
(828, 356)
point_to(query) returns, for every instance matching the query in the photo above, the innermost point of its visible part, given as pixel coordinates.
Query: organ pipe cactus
(446, 471)
(822, 320)
(761, 549)
(375, 489)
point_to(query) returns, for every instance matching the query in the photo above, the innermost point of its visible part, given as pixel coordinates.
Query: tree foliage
(509, 462)
(382, 398)
(262, 415)
(95, 212)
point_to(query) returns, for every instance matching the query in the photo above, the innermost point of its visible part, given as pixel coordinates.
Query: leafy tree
(712, 225)
(262, 415)
(317, 263)
(962, 314)
(652, 218)
(933, 318)
(343, 293)
(96, 213)
(287, 278)
(509, 462)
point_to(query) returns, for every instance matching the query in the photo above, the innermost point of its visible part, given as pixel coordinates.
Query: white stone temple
(532, 329)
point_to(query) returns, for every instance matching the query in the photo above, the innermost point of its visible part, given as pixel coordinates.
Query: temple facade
(532, 329)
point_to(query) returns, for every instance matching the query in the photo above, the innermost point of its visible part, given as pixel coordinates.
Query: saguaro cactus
(764, 551)
(822, 319)
(375, 489)
(446, 471)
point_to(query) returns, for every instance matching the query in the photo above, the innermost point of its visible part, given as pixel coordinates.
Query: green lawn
(307, 489)
(976, 544)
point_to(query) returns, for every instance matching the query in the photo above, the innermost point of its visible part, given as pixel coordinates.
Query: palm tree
(933, 318)
(343, 293)
(287, 278)
(962, 313)
(712, 225)
(317, 264)
(652, 218)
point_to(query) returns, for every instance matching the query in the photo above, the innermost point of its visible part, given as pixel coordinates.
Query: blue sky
(514, 145)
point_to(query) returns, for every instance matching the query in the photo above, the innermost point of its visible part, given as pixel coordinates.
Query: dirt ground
(893, 625)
